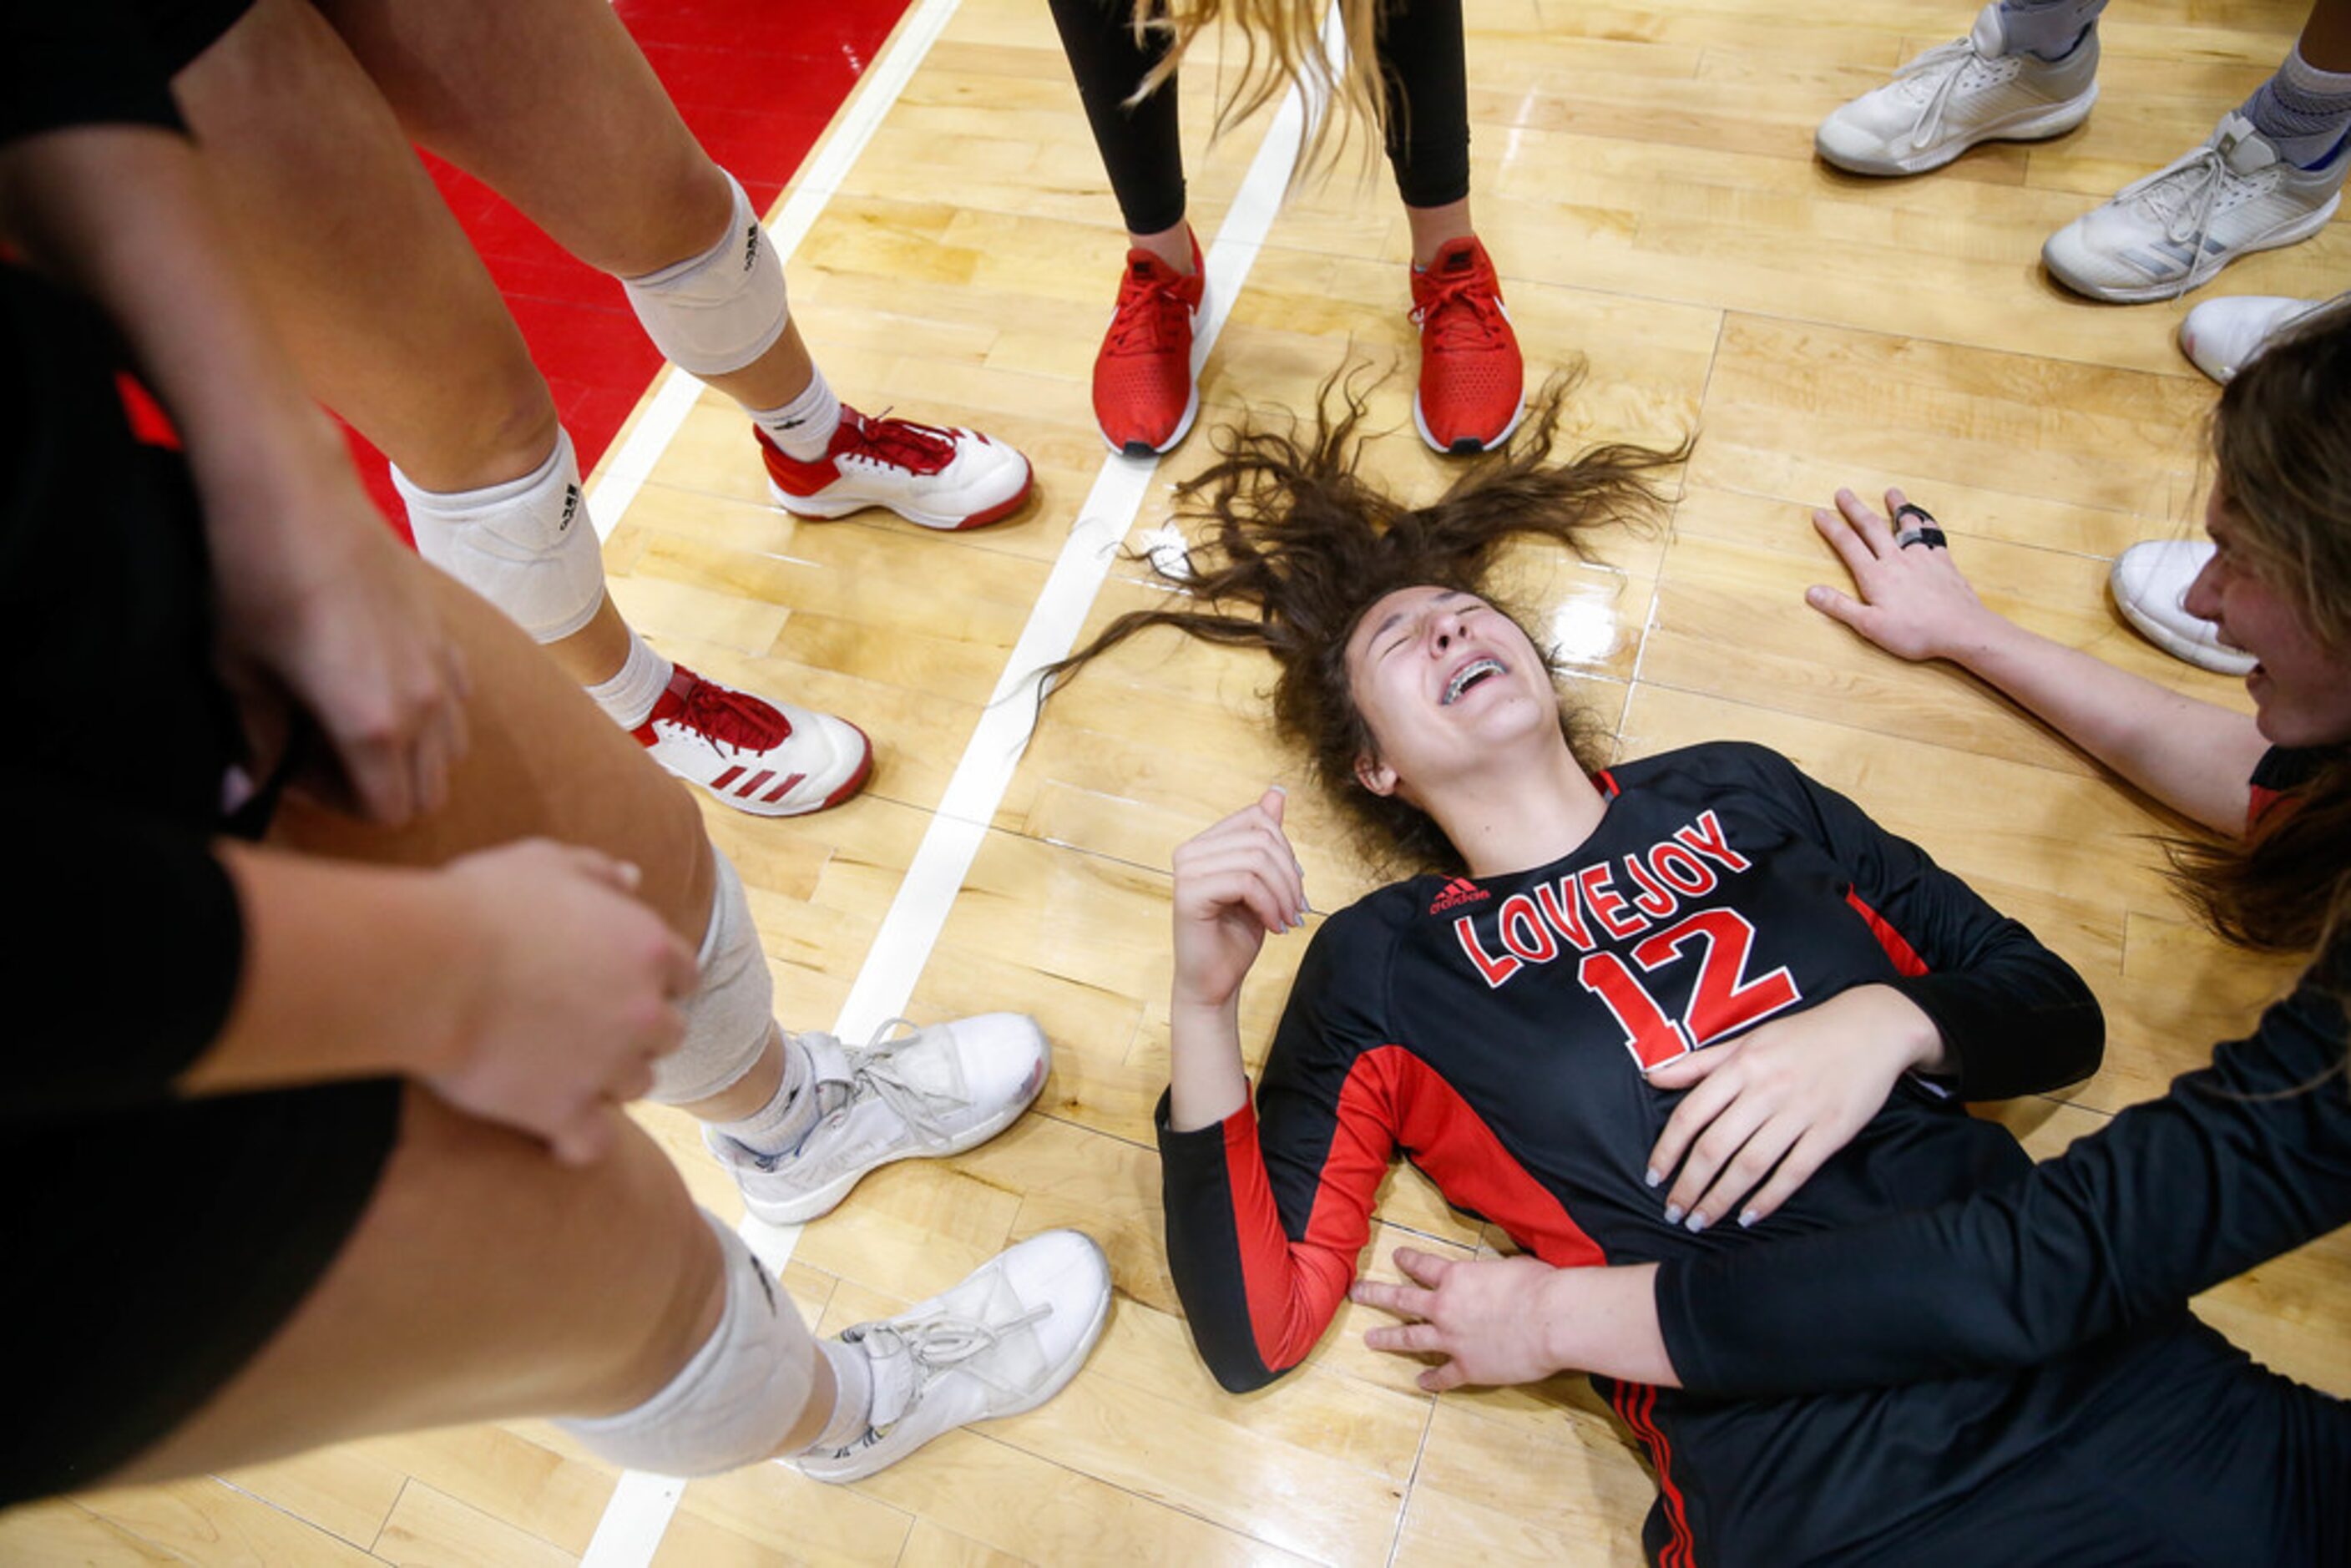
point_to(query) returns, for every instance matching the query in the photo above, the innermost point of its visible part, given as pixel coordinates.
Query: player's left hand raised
(1780, 1099)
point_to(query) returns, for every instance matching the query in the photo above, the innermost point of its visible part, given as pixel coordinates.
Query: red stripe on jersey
(781, 790)
(1460, 1153)
(1637, 1403)
(2263, 802)
(1905, 957)
(1607, 782)
(150, 425)
(1294, 1287)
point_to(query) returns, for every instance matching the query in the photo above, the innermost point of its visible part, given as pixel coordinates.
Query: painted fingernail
(1653, 1177)
(1674, 1212)
(1747, 1219)
(1697, 1223)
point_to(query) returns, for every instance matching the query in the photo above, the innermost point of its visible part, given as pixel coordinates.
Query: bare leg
(2327, 36)
(545, 763)
(497, 90)
(392, 318)
(1433, 227)
(1173, 246)
(485, 1282)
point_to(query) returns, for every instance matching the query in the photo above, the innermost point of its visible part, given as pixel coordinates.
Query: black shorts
(154, 1243)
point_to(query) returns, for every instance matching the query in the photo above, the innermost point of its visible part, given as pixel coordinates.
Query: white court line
(639, 1512)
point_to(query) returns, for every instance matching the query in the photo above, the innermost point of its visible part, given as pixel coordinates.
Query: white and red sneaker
(938, 477)
(1472, 378)
(772, 759)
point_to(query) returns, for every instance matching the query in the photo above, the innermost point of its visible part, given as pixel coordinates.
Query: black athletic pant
(1425, 116)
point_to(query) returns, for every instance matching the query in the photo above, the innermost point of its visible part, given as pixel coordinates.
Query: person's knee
(731, 1013)
(736, 1393)
(724, 306)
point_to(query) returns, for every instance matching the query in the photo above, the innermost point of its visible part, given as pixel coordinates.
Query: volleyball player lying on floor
(1512, 1023)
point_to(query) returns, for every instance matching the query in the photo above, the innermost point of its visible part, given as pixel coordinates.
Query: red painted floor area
(758, 82)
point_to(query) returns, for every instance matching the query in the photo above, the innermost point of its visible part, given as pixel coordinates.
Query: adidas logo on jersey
(1457, 892)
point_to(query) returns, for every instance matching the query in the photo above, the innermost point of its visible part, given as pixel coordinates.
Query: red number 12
(1722, 1000)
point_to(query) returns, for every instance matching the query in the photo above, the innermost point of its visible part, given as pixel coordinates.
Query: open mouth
(1468, 675)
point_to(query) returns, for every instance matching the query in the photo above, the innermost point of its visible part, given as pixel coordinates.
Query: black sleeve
(2016, 1017)
(2240, 1162)
(79, 62)
(127, 956)
(1268, 1211)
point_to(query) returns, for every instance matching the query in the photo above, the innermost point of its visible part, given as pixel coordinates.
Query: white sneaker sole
(1420, 422)
(817, 509)
(2030, 125)
(2206, 268)
(820, 1201)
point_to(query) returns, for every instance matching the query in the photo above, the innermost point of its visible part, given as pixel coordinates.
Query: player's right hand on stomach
(574, 996)
(1234, 883)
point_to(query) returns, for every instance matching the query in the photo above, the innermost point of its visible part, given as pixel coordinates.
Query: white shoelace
(945, 1342)
(872, 1069)
(1957, 55)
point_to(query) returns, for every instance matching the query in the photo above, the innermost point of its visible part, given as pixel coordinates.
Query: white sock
(629, 697)
(780, 1126)
(852, 1403)
(2303, 111)
(804, 427)
(2050, 29)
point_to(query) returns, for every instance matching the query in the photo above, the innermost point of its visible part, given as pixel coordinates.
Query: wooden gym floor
(1644, 179)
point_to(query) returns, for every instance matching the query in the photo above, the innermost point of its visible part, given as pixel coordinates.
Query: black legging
(1425, 116)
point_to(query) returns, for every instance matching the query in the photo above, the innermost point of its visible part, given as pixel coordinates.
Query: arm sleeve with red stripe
(1268, 1211)
(2241, 1162)
(2016, 1017)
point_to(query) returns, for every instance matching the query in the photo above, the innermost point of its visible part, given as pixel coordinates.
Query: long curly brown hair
(2281, 449)
(1291, 547)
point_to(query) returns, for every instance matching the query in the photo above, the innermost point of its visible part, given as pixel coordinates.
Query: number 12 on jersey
(1721, 999)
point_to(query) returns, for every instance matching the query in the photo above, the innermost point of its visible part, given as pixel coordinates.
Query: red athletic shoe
(1473, 384)
(1144, 396)
(938, 477)
(772, 759)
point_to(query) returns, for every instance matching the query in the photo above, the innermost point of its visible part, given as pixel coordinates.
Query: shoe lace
(2183, 200)
(1149, 317)
(901, 444)
(734, 720)
(1458, 310)
(1952, 60)
(945, 1342)
(874, 1071)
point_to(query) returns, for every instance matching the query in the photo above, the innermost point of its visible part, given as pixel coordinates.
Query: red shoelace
(1460, 310)
(1150, 318)
(900, 443)
(731, 718)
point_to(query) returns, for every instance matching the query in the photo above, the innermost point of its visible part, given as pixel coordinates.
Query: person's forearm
(122, 213)
(2194, 756)
(1204, 1081)
(1605, 1322)
(350, 971)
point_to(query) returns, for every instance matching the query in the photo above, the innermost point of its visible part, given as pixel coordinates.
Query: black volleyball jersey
(1495, 1031)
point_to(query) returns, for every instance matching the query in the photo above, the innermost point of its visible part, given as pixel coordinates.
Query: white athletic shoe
(772, 759)
(1958, 94)
(2149, 582)
(927, 1093)
(1005, 1340)
(939, 478)
(2221, 335)
(2162, 235)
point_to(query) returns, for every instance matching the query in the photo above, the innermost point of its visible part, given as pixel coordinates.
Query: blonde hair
(1282, 47)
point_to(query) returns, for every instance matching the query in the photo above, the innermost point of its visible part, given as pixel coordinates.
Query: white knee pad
(722, 310)
(730, 1015)
(737, 1400)
(527, 546)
